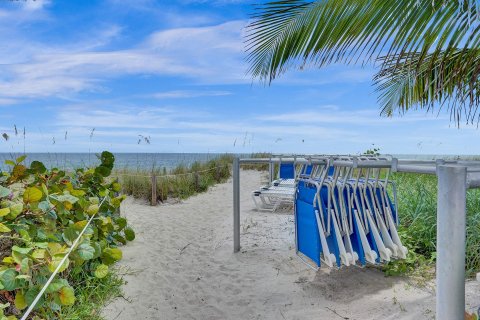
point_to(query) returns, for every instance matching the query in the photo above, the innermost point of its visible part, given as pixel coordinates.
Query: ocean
(147, 161)
(144, 161)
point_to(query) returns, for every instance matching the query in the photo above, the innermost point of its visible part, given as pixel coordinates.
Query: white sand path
(182, 267)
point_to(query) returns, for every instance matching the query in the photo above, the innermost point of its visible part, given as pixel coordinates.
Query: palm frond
(426, 49)
(443, 79)
(300, 32)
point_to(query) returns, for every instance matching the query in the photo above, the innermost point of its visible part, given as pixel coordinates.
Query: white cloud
(7, 101)
(179, 94)
(34, 5)
(209, 54)
(334, 115)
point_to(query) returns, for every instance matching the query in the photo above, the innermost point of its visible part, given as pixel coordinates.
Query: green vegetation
(92, 294)
(42, 213)
(425, 52)
(181, 182)
(417, 197)
(259, 167)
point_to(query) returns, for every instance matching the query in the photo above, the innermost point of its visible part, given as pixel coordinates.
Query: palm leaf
(444, 79)
(399, 35)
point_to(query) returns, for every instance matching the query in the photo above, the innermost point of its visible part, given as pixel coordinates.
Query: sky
(171, 76)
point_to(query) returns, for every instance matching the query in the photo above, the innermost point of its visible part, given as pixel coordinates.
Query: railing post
(451, 237)
(271, 167)
(154, 190)
(236, 204)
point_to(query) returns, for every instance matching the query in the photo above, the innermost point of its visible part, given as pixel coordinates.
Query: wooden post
(154, 190)
(197, 182)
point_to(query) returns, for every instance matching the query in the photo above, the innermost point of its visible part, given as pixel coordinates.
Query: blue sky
(175, 71)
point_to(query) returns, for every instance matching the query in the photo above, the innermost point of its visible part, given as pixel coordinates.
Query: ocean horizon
(144, 161)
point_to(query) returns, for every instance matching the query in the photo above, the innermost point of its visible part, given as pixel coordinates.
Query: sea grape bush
(42, 213)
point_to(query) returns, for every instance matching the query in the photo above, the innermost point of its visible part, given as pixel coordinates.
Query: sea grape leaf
(85, 251)
(20, 302)
(121, 223)
(120, 239)
(98, 249)
(41, 245)
(129, 234)
(117, 187)
(111, 255)
(17, 257)
(79, 225)
(77, 193)
(45, 189)
(4, 228)
(55, 248)
(94, 200)
(21, 158)
(64, 198)
(8, 278)
(32, 195)
(24, 266)
(4, 212)
(30, 296)
(4, 192)
(101, 271)
(45, 206)
(8, 260)
(15, 210)
(107, 159)
(56, 285)
(21, 250)
(24, 234)
(103, 171)
(37, 167)
(18, 172)
(69, 235)
(67, 296)
(55, 306)
(38, 254)
(56, 262)
(92, 209)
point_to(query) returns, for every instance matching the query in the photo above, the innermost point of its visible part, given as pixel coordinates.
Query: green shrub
(181, 182)
(417, 204)
(42, 213)
(259, 166)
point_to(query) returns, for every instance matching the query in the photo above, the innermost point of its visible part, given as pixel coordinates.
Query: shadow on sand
(349, 284)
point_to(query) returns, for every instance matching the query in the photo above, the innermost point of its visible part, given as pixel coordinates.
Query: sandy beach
(182, 266)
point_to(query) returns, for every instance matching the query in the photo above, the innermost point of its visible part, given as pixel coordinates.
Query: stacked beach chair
(280, 193)
(344, 213)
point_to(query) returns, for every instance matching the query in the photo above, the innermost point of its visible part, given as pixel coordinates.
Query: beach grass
(92, 295)
(257, 166)
(180, 182)
(417, 205)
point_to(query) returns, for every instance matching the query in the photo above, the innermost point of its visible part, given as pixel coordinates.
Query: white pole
(236, 204)
(271, 171)
(451, 234)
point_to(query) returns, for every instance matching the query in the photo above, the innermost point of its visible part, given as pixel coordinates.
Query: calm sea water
(122, 160)
(157, 160)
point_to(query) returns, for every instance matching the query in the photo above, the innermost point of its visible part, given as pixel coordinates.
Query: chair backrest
(287, 171)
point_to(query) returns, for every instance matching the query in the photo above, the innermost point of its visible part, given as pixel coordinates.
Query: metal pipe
(271, 171)
(473, 179)
(425, 169)
(236, 204)
(451, 233)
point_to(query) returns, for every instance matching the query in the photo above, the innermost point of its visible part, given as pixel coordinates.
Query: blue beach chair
(344, 215)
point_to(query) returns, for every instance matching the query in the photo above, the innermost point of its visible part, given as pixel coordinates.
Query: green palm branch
(427, 52)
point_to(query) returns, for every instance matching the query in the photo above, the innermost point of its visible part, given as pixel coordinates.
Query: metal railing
(455, 177)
